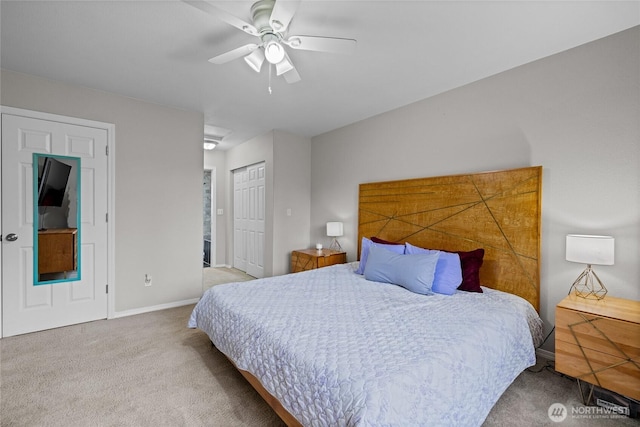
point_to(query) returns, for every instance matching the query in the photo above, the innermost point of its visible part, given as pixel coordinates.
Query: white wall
(576, 114)
(158, 199)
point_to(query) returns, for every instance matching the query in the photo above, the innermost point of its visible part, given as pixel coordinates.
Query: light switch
(289, 212)
(220, 212)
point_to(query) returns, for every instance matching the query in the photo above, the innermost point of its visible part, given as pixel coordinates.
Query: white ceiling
(407, 50)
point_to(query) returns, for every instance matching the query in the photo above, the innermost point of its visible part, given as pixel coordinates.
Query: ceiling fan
(271, 19)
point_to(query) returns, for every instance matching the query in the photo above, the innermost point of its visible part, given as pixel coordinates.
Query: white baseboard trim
(546, 354)
(142, 310)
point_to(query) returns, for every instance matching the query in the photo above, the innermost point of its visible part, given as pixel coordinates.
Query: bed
(328, 347)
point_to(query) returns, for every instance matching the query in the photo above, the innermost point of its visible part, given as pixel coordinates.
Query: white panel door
(249, 219)
(239, 220)
(27, 307)
(255, 220)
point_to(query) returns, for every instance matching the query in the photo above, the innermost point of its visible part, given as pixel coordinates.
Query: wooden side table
(310, 259)
(598, 341)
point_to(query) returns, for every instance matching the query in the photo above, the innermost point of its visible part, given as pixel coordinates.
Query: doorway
(208, 219)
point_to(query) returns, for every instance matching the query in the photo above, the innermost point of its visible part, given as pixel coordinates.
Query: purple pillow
(364, 252)
(448, 275)
(384, 242)
(471, 262)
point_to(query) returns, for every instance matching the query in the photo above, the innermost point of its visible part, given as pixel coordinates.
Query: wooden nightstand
(599, 342)
(57, 250)
(310, 259)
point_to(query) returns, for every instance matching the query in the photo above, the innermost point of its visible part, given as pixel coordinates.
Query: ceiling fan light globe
(274, 52)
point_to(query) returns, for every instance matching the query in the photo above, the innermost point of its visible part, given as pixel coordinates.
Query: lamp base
(335, 245)
(588, 285)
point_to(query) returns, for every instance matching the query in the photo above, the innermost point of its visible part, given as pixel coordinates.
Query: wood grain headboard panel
(499, 211)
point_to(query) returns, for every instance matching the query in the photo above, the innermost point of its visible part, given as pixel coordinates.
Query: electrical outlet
(147, 280)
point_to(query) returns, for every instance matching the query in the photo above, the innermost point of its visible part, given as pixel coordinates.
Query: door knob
(12, 237)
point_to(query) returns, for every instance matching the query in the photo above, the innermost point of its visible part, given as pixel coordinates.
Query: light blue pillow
(413, 272)
(364, 252)
(448, 274)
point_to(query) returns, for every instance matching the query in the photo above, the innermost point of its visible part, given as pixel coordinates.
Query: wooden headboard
(499, 211)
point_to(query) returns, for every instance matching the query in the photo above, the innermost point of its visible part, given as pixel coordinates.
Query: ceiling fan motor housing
(261, 12)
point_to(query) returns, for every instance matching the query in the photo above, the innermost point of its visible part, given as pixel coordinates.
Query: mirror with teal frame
(56, 213)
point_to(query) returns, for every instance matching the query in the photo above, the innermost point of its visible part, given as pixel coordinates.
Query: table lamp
(335, 230)
(589, 250)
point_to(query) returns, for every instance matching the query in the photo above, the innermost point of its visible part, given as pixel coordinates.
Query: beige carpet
(145, 370)
(212, 276)
(151, 370)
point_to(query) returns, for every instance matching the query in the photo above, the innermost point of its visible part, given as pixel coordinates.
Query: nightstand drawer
(613, 373)
(310, 259)
(598, 341)
(599, 333)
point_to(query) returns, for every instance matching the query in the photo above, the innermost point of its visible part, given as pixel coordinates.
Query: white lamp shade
(255, 60)
(587, 249)
(334, 229)
(284, 66)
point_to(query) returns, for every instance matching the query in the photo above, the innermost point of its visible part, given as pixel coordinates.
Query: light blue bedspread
(337, 350)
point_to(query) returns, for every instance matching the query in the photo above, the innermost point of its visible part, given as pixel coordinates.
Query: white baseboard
(545, 354)
(142, 310)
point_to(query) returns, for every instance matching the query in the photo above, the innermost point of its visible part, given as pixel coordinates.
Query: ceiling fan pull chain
(270, 79)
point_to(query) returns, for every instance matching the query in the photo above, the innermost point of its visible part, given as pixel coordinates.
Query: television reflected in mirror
(52, 182)
(57, 228)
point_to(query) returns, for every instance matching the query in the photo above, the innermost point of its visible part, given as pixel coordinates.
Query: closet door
(249, 219)
(240, 219)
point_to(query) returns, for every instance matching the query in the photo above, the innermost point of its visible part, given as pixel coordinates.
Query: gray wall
(292, 186)
(158, 173)
(575, 113)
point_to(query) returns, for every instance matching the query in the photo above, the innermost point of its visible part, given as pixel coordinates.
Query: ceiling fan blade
(234, 54)
(291, 76)
(283, 11)
(223, 15)
(322, 44)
